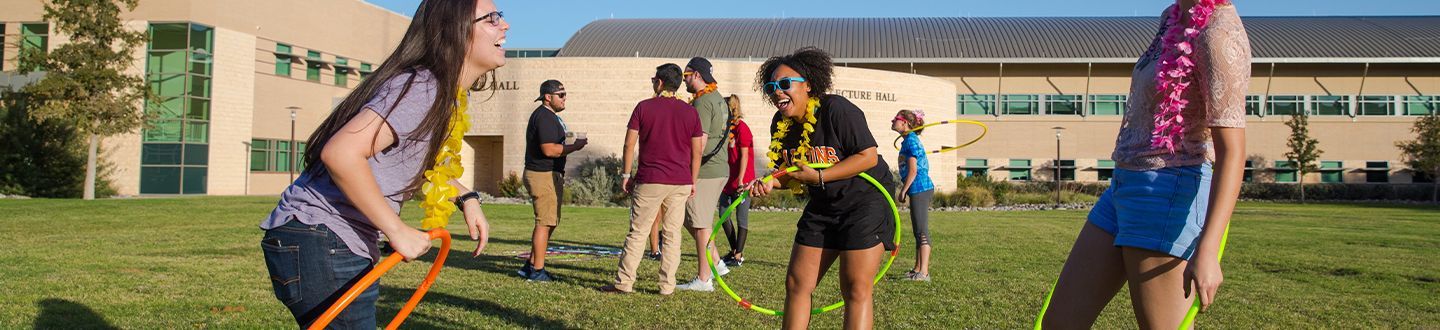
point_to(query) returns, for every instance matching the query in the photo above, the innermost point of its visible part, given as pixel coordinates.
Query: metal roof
(1000, 39)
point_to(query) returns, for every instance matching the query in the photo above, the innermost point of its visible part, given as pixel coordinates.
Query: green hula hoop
(1189, 316)
(726, 216)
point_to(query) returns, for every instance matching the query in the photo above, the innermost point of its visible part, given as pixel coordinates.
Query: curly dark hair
(812, 63)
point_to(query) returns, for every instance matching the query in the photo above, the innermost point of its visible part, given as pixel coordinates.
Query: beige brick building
(228, 74)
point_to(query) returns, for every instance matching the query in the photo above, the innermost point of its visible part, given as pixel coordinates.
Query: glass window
(159, 180)
(1019, 170)
(1332, 172)
(1284, 172)
(259, 155)
(1421, 105)
(1377, 172)
(1252, 105)
(975, 104)
(1021, 104)
(1325, 105)
(365, 70)
(312, 66)
(1063, 104)
(1107, 105)
(342, 74)
(282, 156)
(1285, 105)
(162, 130)
(194, 180)
(34, 37)
(1067, 169)
(160, 154)
(977, 168)
(1249, 171)
(1377, 105)
(1105, 168)
(169, 36)
(282, 60)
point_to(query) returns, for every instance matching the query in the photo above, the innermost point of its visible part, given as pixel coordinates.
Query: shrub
(596, 182)
(971, 196)
(513, 187)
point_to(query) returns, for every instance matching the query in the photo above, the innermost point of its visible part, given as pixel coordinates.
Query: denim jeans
(310, 268)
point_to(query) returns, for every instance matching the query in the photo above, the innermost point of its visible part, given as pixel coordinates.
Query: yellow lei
(437, 189)
(781, 128)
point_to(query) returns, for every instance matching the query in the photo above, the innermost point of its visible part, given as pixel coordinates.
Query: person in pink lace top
(1159, 225)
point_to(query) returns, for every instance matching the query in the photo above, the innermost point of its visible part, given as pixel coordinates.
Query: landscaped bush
(513, 187)
(596, 182)
(1336, 191)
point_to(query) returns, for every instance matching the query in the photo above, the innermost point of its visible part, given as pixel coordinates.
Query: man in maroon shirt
(668, 130)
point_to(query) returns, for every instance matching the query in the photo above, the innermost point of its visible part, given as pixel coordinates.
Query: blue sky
(549, 23)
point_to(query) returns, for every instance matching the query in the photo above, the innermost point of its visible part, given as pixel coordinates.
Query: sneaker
(697, 285)
(734, 261)
(541, 275)
(918, 277)
(653, 255)
(611, 289)
(721, 269)
(527, 270)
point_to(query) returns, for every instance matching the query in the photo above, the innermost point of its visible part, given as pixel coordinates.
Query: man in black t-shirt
(545, 151)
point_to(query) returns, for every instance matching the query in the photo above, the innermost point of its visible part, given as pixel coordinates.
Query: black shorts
(857, 227)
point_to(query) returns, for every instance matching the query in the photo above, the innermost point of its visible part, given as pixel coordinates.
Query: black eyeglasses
(561, 95)
(493, 18)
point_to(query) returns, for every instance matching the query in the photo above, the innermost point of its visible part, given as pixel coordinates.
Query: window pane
(282, 156)
(1252, 105)
(197, 132)
(197, 154)
(1285, 176)
(282, 48)
(1330, 105)
(195, 178)
(198, 109)
(166, 62)
(199, 86)
(976, 162)
(159, 180)
(977, 173)
(202, 37)
(1020, 163)
(1103, 163)
(1421, 105)
(1332, 177)
(201, 63)
(975, 104)
(1021, 104)
(1376, 105)
(1284, 105)
(259, 144)
(163, 131)
(1063, 104)
(166, 108)
(160, 154)
(1105, 175)
(1107, 105)
(258, 160)
(167, 85)
(1020, 175)
(168, 36)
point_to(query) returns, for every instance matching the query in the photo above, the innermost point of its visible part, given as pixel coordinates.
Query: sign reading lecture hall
(866, 95)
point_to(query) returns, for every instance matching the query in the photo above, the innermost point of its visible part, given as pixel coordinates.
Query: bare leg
(857, 284)
(807, 266)
(702, 240)
(922, 259)
(539, 244)
(1157, 288)
(1092, 275)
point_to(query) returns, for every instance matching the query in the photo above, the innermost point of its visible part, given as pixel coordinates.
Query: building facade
(241, 85)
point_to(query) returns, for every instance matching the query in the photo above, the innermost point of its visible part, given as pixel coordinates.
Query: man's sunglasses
(561, 95)
(493, 18)
(784, 84)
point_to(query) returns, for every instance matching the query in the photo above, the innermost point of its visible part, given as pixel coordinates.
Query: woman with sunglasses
(846, 218)
(372, 153)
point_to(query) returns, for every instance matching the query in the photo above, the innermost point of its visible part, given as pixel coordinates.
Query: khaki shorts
(546, 188)
(700, 210)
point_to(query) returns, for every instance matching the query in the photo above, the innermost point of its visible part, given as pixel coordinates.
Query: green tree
(1423, 153)
(86, 85)
(1304, 150)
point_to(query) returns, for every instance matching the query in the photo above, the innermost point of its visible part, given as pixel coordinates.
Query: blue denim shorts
(1159, 210)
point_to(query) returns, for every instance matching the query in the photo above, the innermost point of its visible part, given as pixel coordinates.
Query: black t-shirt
(840, 131)
(544, 127)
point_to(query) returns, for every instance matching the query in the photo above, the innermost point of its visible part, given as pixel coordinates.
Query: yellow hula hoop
(983, 131)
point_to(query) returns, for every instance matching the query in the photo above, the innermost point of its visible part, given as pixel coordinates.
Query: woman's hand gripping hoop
(744, 195)
(983, 130)
(380, 269)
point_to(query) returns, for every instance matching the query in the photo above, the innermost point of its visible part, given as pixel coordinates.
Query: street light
(1057, 163)
(291, 158)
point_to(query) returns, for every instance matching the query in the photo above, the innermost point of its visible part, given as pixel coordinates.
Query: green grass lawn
(196, 263)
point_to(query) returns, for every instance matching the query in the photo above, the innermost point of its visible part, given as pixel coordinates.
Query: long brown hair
(437, 40)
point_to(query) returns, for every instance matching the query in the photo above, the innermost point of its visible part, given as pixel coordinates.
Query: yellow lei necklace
(437, 188)
(781, 128)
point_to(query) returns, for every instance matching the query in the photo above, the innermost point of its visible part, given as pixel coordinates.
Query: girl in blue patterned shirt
(916, 187)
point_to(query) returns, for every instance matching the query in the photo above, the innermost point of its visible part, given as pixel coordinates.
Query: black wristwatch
(460, 201)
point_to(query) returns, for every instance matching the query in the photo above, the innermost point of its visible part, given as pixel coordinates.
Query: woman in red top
(742, 169)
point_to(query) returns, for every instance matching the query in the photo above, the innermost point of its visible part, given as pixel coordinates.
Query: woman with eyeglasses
(372, 153)
(846, 219)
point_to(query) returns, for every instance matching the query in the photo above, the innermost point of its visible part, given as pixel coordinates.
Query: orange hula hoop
(380, 269)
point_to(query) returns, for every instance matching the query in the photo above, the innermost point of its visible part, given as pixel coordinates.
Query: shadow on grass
(65, 314)
(508, 265)
(419, 319)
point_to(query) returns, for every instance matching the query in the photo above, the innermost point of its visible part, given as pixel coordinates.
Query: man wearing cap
(545, 152)
(714, 168)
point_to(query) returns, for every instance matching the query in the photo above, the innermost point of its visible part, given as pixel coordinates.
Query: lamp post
(291, 158)
(1057, 163)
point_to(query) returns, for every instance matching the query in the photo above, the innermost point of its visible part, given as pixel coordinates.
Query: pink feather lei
(1175, 73)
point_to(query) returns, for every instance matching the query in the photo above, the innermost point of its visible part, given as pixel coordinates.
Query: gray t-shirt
(315, 199)
(715, 120)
